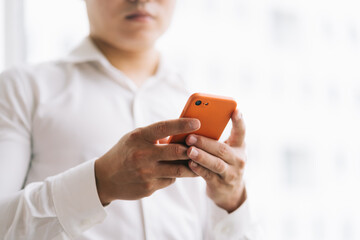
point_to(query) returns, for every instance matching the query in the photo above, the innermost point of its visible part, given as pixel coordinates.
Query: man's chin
(137, 43)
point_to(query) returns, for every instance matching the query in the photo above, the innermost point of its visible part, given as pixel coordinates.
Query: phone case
(214, 112)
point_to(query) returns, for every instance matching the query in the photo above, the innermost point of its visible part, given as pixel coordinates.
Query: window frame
(14, 33)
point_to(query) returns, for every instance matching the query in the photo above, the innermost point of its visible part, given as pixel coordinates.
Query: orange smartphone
(214, 113)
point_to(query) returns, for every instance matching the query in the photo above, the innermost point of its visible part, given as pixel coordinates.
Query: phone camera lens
(198, 102)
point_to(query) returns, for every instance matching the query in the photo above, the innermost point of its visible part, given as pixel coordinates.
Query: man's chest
(82, 120)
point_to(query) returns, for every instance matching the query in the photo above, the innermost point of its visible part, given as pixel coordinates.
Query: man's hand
(221, 165)
(137, 165)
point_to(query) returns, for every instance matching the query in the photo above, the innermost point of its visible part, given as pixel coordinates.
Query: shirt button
(86, 223)
(226, 229)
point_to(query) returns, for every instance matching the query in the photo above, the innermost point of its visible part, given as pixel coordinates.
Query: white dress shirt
(56, 118)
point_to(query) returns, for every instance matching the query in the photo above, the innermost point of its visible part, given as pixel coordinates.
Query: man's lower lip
(140, 19)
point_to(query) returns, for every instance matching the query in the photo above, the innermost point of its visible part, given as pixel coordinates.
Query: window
(2, 44)
(53, 27)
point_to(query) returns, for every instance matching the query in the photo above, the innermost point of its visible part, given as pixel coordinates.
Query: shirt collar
(87, 51)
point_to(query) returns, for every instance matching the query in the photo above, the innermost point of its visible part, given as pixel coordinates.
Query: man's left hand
(221, 164)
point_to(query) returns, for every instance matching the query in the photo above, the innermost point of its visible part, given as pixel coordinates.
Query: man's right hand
(137, 165)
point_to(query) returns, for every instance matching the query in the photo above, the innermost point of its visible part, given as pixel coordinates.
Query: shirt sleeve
(238, 225)
(61, 206)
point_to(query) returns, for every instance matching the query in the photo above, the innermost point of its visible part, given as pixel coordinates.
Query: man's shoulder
(35, 73)
(30, 69)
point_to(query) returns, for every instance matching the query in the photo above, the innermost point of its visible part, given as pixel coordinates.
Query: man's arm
(34, 212)
(20, 211)
(62, 206)
(71, 202)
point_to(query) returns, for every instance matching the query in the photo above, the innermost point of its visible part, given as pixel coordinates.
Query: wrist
(101, 185)
(235, 201)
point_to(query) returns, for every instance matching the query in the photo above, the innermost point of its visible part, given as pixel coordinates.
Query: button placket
(137, 111)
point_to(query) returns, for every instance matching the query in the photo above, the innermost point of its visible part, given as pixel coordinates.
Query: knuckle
(199, 141)
(182, 124)
(220, 166)
(223, 150)
(241, 160)
(148, 188)
(161, 127)
(242, 163)
(142, 174)
(207, 175)
(186, 125)
(179, 171)
(135, 134)
(231, 177)
(137, 155)
(178, 150)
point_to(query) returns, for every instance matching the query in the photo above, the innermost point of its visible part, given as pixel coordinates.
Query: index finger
(163, 129)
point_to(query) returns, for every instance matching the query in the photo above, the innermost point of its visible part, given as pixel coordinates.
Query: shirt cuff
(76, 200)
(234, 225)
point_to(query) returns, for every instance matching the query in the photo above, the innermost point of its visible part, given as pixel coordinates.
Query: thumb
(237, 135)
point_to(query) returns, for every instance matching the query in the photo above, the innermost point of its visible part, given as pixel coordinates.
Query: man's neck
(138, 66)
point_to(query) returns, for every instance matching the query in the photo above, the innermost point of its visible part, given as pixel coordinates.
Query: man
(58, 119)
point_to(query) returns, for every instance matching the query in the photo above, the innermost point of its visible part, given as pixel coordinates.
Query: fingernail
(238, 116)
(193, 153)
(194, 164)
(191, 140)
(195, 124)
